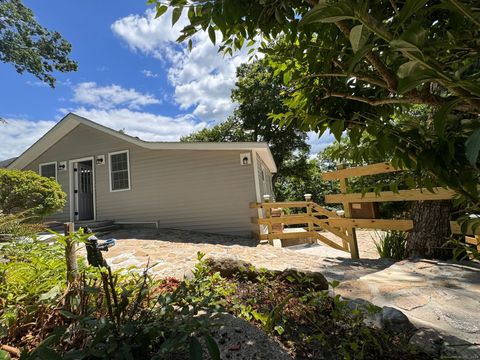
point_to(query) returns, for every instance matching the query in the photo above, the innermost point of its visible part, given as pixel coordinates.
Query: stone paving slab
(436, 294)
(176, 254)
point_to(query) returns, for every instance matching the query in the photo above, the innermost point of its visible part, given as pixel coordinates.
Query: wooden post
(353, 245)
(308, 199)
(70, 254)
(268, 215)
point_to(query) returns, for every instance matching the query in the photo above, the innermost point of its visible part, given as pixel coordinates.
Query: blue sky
(132, 75)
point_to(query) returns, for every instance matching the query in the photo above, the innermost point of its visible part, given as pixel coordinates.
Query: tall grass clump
(392, 245)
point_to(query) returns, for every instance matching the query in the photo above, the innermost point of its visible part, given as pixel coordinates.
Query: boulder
(428, 341)
(394, 321)
(228, 267)
(239, 339)
(372, 314)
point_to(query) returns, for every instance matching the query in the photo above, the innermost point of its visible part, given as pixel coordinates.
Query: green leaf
(47, 354)
(211, 34)
(410, 8)
(196, 351)
(161, 10)
(4, 355)
(407, 69)
(287, 76)
(441, 116)
(402, 45)
(337, 127)
(176, 13)
(357, 57)
(473, 147)
(212, 347)
(358, 37)
(411, 82)
(68, 314)
(279, 329)
(326, 13)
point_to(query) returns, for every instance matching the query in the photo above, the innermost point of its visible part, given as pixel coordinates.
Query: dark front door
(84, 190)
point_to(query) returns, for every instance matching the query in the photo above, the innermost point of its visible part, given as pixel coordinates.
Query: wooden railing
(317, 217)
(313, 217)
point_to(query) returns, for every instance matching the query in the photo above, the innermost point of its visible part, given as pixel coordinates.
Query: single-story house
(109, 175)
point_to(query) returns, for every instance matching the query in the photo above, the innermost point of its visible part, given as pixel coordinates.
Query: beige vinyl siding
(267, 188)
(186, 189)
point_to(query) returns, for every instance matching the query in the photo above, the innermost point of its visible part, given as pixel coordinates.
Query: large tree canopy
(354, 66)
(29, 46)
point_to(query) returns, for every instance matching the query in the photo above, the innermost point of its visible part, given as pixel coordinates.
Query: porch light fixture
(62, 166)
(245, 159)
(100, 160)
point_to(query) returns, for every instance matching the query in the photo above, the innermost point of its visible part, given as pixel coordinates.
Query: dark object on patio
(94, 249)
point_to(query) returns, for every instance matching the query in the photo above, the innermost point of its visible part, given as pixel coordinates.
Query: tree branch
(389, 77)
(425, 100)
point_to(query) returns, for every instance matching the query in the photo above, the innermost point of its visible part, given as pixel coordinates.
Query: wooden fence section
(317, 218)
(310, 219)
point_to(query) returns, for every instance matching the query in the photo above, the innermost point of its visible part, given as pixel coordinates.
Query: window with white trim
(48, 170)
(119, 171)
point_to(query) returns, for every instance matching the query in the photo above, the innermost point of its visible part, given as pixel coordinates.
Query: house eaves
(71, 121)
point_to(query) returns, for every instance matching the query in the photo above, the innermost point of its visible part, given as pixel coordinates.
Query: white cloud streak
(145, 125)
(17, 135)
(108, 97)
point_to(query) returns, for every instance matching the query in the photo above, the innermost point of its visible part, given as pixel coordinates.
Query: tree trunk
(431, 228)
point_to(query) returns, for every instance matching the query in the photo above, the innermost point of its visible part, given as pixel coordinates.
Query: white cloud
(146, 126)
(202, 78)
(107, 97)
(147, 34)
(17, 135)
(319, 143)
(149, 74)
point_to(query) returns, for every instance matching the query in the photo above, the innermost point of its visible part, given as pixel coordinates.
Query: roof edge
(71, 120)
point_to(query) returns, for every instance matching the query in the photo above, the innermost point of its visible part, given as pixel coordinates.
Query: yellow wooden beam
(330, 242)
(287, 220)
(288, 235)
(382, 224)
(473, 240)
(378, 168)
(385, 196)
(282, 204)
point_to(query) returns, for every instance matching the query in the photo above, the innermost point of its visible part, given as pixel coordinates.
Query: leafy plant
(32, 284)
(392, 245)
(27, 191)
(122, 316)
(16, 226)
(461, 250)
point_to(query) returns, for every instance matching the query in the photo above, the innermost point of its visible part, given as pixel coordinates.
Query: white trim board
(110, 170)
(70, 121)
(71, 185)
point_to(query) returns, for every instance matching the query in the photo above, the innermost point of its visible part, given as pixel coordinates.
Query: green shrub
(392, 245)
(32, 280)
(15, 226)
(22, 191)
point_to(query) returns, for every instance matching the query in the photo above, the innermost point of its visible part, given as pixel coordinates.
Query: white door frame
(72, 185)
